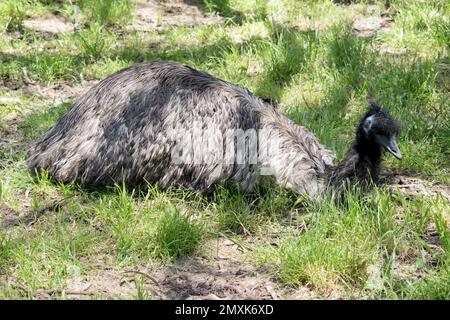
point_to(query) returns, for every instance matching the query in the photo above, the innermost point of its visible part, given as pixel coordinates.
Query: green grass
(346, 244)
(302, 54)
(176, 235)
(158, 229)
(106, 12)
(36, 123)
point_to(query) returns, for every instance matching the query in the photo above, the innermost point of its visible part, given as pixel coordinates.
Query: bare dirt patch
(369, 26)
(368, 20)
(9, 216)
(151, 15)
(56, 93)
(223, 272)
(50, 25)
(413, 187)
(109, 283)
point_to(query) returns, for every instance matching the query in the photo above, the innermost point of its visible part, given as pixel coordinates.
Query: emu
(164, 123)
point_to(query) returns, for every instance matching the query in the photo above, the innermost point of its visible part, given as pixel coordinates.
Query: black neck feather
(360, 164)
(367, 149)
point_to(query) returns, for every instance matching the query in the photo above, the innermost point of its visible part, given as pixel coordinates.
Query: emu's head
(380, 127)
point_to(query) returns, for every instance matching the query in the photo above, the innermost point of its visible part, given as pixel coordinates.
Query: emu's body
(123, 129)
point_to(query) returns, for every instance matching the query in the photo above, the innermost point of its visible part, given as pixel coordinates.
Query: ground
(317, 61)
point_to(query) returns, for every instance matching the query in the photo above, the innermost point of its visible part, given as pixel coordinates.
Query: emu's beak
(390, 144)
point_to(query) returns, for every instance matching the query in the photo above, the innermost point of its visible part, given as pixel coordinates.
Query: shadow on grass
(220, 6)
(193, 54)
(44, 67)
(293, 49)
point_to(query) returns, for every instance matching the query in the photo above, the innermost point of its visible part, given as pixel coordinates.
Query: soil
(50, 25)
(369, 26)
(147, 16)
(413, 187)
(223, 271)
(152, 15)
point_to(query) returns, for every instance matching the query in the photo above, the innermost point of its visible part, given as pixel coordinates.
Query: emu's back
(123, 129)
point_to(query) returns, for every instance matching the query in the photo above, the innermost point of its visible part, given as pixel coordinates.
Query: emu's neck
(360, 164)
(367, 149)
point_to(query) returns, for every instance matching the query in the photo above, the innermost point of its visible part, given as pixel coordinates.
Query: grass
(303, 54)
(176, 235)
(106, 12)
(345, 246)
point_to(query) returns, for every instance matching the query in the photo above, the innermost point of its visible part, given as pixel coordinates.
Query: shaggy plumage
(136, 124)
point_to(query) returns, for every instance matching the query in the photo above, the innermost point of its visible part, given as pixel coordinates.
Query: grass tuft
(177, 235)
(93, 42)
(106, 12)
